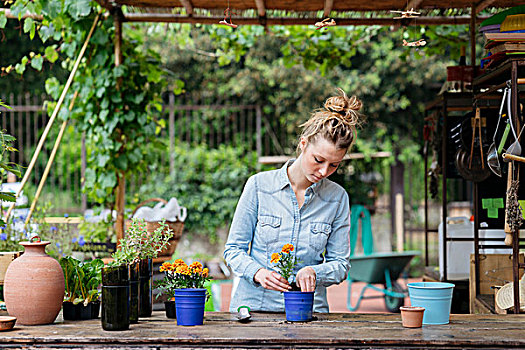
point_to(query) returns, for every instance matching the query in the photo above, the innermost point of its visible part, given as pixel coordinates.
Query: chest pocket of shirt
(319, 233)
(270, 227)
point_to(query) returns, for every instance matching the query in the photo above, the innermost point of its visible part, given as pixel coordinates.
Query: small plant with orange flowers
(285, 262)
(180, 275)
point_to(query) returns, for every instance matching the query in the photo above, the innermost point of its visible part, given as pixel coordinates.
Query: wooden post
(399, 218)
(120, 191)
(171, 131)
(397, 186)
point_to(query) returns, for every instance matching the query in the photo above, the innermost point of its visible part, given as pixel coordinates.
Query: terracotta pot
(34, 286)
(412, 316)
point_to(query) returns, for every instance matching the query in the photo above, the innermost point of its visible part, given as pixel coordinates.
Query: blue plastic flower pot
(189, 304)
(298, 306)
(435, 297)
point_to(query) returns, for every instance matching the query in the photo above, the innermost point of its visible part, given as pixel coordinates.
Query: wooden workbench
(221, 330)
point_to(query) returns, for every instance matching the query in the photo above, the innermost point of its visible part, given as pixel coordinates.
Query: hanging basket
(175, 226)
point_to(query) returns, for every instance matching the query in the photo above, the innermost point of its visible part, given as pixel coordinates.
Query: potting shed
(339, 330)
(266, 13)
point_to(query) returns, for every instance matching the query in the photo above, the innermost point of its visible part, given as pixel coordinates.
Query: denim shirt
(268, 216)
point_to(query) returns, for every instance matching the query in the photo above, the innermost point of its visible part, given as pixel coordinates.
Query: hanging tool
(494, 153)
(477, 123)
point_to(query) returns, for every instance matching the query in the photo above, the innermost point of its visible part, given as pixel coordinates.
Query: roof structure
(283, 12)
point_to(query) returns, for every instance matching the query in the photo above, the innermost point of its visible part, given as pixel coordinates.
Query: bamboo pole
(49, 163)
(53, 116)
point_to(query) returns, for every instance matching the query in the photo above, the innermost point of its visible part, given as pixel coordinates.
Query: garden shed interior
(273, 12)
(344, 12)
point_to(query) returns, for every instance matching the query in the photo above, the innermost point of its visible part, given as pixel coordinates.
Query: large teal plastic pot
(189, 304)
(298, 306)
(435, 297)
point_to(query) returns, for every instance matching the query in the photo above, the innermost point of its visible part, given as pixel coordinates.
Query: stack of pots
(115, 298)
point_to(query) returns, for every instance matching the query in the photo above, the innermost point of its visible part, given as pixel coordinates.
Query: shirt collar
(284, 180)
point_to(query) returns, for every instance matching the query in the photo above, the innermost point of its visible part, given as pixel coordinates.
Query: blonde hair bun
(336, 122)
(344, 106)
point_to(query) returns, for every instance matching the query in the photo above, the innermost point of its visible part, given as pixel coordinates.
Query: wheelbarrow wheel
(392, 303)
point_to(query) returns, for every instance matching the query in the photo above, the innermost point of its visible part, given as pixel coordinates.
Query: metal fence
(225, 122)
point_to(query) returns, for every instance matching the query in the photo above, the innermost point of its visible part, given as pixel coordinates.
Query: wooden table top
(221, 330)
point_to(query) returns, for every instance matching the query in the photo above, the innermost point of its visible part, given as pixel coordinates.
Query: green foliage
(81, 279)
(208, 182)
(6, 147)
(97, 232)
(114, 104)
(139, 243)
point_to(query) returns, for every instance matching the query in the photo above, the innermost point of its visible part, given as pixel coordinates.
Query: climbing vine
(115, 105)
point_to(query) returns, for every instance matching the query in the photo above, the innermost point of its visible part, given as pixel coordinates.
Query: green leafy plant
(285, 262)
(81, 279)
(139, 243)
(6, 147)
(180, 275)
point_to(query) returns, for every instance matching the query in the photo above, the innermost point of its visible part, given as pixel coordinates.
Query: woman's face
(319, 159)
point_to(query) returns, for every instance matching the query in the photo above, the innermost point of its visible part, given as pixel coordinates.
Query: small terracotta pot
(412, 316)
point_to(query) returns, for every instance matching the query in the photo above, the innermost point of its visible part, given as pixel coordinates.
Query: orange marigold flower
(205, 272)
(197, 270)
(166, 267)
(287, 248)
(183, 269)
(179, 262)
(196, 265)
(275, 258)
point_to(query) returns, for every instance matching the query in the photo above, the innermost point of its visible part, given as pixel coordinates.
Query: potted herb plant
(297, 305)
(147, 245)
(81, 298)
(127, 254)
(186, 284)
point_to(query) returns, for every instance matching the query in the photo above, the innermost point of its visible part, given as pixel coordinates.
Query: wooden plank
(221, 330)
(494, 269)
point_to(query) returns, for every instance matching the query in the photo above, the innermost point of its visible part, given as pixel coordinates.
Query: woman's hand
(271, 280)
(306, 279)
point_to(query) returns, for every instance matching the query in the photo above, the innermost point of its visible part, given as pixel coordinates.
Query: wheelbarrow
(383, 269)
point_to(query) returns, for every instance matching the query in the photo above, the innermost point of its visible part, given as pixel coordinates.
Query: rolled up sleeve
(336, 264)
(236, 252)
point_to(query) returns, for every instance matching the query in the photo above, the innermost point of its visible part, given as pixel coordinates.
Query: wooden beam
(483, 4)
(173, 18)
(188, 6)
(10, 15)
(261, 8)
(328, 5)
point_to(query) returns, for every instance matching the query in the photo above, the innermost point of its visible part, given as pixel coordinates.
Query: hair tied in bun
(343, 113)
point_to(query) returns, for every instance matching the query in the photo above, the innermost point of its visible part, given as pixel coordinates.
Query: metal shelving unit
(491, 82)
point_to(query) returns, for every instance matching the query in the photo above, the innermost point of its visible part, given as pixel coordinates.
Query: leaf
(37, 61)
(7, 196)
(3, 20)
(51, 53)
(78, 8)
(29, 24)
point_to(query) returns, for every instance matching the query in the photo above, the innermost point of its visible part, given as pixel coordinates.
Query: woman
(296, 204)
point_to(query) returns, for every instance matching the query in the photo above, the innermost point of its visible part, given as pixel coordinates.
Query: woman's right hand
(271, 280)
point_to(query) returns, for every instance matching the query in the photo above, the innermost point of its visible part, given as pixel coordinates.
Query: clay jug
(34, 286)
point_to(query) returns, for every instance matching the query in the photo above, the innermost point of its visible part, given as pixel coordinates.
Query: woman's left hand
(306, 279)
